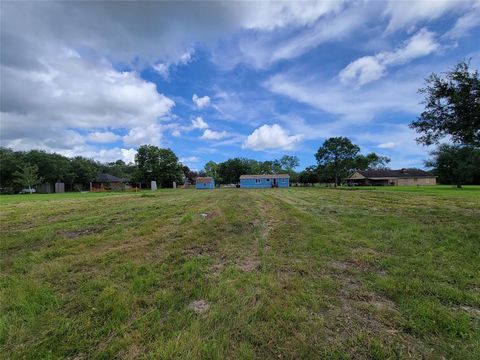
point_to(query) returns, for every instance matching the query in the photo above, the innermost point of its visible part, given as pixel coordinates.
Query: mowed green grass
(439, 190)
(286, 273)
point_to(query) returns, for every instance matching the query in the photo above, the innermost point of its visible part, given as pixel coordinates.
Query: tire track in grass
(355, 317)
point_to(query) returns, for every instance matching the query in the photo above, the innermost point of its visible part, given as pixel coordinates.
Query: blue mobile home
(205, 183)
(264, 181)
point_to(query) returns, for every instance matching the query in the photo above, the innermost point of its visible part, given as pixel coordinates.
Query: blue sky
(214, 80)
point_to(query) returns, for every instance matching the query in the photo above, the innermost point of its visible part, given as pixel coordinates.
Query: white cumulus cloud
(103, 137)
(363, 70)
(270, 137)
(151, 134)
(386, 145)
(103, 155)
(128, 155)
(70, 92)
(163, 68)
(201, 102)
(199, 123)
(214, 135)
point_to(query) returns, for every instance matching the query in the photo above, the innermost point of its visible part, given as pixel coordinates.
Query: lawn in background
(232, 273)
(67, 195)
(447, 190)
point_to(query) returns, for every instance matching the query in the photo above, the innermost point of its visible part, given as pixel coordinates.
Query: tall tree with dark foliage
(452, 107)
(452, 112)
(159, 165)
(339, 153)
(455, 164)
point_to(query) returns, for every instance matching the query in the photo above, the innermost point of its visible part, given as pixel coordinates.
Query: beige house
(391, 177)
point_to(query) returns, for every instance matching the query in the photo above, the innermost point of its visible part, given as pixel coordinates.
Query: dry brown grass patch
(199, 306)
(73, 234)
(248, 265)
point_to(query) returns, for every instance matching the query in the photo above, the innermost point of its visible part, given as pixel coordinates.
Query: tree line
(21, 169)
(229, 171)
(336, 158)
(25, 169)
(451, 121)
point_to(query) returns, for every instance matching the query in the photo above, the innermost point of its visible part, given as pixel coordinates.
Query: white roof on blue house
(266, 176)
(203, 180)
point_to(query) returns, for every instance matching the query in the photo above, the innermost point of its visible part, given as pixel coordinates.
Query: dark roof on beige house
(386, 173)
(269, 176)
(107, 178)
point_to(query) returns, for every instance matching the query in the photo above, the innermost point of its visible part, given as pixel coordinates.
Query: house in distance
(205, 183)
(107, 182)
(391, 177)
(265, 181)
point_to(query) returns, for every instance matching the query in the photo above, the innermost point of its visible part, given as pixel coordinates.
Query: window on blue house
(268, 179)
(257, 180)
(284, 180)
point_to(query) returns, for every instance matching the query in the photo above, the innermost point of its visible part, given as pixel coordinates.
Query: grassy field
(248, 274)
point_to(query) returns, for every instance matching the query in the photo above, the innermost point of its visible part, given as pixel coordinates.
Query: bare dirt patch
(356, 264)
(338, 265)
(470, 309)
(77, 357)
(196, 250)
(248, 265)
(199, 306)
(209, 215)
(253, 224)
(475, 288)
(134, 351)
(73, 234)
(358, 308)
(382, 304)
(365, 251)
(216, 269)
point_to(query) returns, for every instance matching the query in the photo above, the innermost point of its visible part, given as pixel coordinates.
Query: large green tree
(156, 164)
(456, 164)
(191, 175)
(288, 163)
(119, 169)
(52, 167)
(337, 154)
(309, 176)
(452, 107)
(370, 161)
(211, 169)
(231, 170)
(10, 161)
(27, 177)
(266, 167)
(82, 170)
